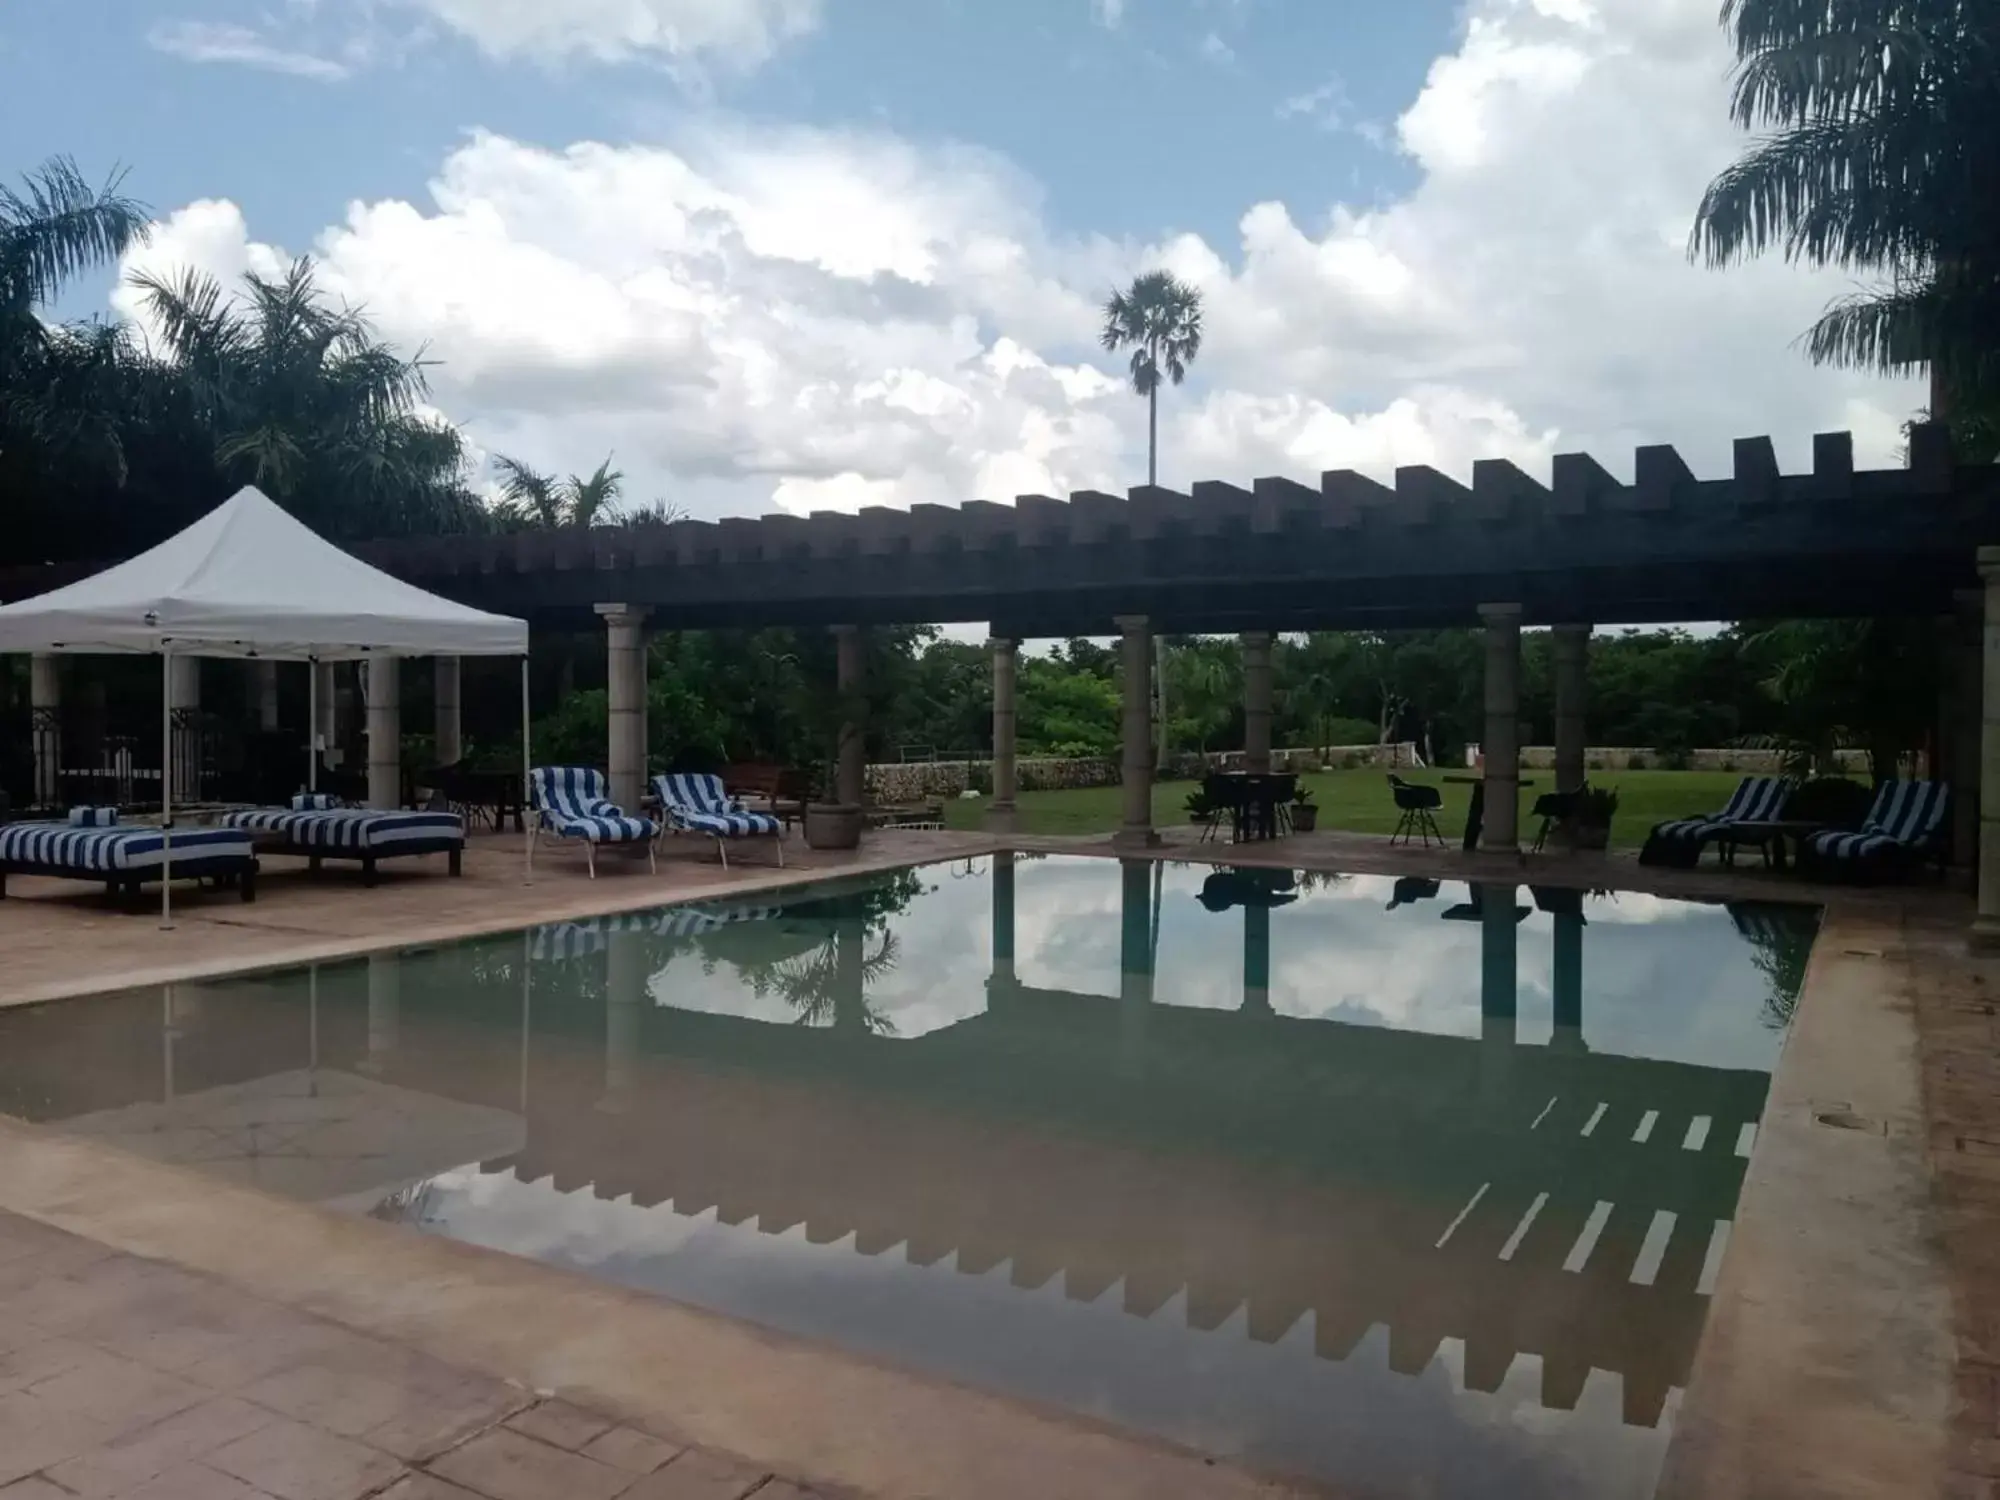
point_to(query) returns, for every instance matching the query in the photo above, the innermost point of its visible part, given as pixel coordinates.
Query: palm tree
(301, 400)
(530, 498)
(59, 398)
(1882, 145)
(54, 227)
(1158, 318)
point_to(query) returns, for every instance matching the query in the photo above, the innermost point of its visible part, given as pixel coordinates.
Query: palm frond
(56, 226)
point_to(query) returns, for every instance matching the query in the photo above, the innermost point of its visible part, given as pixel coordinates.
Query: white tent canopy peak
(249, 580)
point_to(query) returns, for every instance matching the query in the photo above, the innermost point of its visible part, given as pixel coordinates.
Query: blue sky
(1172, 118)
(807, 253)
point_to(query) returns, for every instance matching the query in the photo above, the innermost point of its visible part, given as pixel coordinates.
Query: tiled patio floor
(127, 1379)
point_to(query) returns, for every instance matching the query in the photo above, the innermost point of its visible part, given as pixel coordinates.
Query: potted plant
(1305, 816)
(1588, 825)
(1200, 808)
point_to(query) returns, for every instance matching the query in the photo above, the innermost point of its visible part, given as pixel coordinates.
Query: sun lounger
(570, 803)
(694, 803)
(93, 846)
(1757, 799)
(319, 832)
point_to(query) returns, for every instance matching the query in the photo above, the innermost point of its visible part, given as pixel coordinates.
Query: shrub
(1636, 761)
(1595, 763)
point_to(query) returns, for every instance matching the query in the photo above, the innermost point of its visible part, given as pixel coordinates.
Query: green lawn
(1359, 801)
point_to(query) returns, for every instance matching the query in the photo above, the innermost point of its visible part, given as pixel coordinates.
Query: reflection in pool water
(1416, 1186)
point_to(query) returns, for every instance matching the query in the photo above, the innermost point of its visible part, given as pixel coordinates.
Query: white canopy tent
(249, 581)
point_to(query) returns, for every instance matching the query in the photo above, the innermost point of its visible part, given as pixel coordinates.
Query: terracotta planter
(1305, 817)
(833, 825)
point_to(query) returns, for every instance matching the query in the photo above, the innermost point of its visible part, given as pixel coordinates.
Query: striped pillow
(92, 817)
(315, 802)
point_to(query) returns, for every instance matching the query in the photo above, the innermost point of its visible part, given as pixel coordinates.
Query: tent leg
(531, 818)
(312, 724)
(166, 789)
(590, 857)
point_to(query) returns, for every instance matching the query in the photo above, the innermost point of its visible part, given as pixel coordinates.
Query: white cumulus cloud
(216, 42)
(766, 315)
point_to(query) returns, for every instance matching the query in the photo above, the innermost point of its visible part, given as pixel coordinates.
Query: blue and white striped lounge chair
(570, 802)
(318, 828)
(696, 803)
(1905, 824)
(1757, 799)
(91, 846)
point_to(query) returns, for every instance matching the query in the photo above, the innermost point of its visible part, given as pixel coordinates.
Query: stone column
(1135, 957)
(1969, 671)
(1502, 744)
(45, 716)
(1571, 653)
(385, 1009)
(1256, 700)
(325, 733)
(186, 679)
(1986, 926)
(625, 628)
(1136, 664)
(1499, 988)
(1000, 813)
(384, 688)
(1256, 958)
(624, 1010)
(446, 732)
(1003, 923)
(851, 758)
(1566, 980)
(264, 683)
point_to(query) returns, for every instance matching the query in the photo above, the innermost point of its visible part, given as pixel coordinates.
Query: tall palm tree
(1158, 317)
(1879, 154)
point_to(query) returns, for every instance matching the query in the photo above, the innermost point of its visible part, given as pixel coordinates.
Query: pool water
(1418, 1188)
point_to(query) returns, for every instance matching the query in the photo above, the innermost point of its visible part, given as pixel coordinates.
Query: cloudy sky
(827, 253)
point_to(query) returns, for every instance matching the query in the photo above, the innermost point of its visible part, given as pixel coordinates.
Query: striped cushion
(1904, 815)
(570, 801)
(698, 802)
(572, 939)
(358, 830)
(113, 850)
(92, 817)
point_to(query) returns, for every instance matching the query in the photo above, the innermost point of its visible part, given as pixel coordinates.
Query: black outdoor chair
(1552, 808)
(1419, 805)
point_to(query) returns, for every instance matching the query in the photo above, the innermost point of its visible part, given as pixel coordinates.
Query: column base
(1001, 817)
(1984, 935)
(1136, 838)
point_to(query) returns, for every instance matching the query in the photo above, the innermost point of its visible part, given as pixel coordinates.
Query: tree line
(1804, 690)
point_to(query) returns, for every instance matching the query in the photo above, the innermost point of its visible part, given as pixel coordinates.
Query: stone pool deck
(1853, 1345)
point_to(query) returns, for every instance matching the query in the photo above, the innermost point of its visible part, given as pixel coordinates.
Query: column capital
(1500, 614)
(1257, 638)
(1005, 644)
(1570, 629)
(1989, 563)
(623, 614)
(1131, 624)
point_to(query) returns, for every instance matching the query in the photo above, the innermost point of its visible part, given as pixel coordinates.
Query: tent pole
(528, 813)
(312, 723)
(166, 788)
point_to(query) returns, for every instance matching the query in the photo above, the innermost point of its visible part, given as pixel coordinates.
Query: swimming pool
(1401, 1184)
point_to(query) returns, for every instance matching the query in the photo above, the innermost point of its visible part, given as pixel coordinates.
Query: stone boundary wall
(1621, 758)
(930, 780)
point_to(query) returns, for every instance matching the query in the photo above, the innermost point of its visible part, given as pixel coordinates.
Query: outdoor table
(1769, 836)
(1254, 799)
(1475, 815)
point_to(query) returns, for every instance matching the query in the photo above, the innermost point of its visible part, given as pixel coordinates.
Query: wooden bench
(783, 790)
